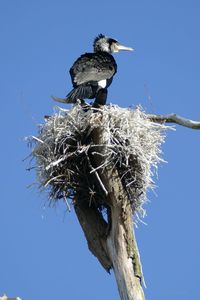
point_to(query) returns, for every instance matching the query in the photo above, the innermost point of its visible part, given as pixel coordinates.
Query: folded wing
(92, 67)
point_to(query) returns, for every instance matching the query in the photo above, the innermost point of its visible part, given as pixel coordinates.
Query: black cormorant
(92, 73)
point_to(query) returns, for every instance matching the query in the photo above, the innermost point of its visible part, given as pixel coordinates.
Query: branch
(95, 230)
(174, 118)
(7, 298)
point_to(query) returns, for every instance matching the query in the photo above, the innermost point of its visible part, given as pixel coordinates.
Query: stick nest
(65, 148)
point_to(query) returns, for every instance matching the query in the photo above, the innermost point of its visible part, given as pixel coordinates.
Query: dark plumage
(92, 73)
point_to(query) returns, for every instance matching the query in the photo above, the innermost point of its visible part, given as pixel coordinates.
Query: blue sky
(43, 251)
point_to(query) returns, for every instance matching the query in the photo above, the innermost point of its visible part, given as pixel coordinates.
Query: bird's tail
(80, 92)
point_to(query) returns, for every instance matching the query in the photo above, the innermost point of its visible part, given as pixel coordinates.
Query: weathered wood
(121, 243)
(124, 258)
(174, 118)
(95, 230)
(110, 239)
(7, 298)
(103, 156)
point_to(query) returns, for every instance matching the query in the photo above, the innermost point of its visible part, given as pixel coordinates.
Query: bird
(92, 73)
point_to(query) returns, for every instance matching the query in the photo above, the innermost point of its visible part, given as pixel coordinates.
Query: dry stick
(174, 118)
(7, 298)
(97, 176)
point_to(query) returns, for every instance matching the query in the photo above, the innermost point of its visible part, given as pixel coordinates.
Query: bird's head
(103, 43)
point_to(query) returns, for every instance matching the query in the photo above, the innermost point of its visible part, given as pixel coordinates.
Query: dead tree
(103, 159)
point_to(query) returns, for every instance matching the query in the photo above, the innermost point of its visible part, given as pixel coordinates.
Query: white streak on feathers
(102, 83)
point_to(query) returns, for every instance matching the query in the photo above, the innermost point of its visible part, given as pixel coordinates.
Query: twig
(50, 180)
(67, 203)
(99, 167)
(38, 140)
(174, 118)
(97, 176)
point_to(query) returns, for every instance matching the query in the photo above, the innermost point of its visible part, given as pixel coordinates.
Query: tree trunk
(124, 255)
(115, 244)
(121, 243)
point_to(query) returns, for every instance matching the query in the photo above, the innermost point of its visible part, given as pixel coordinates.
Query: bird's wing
(92, 67)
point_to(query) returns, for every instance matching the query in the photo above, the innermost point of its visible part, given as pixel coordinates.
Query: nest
(65, 149)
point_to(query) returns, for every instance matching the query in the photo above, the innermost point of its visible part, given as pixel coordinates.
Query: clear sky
(43, 253)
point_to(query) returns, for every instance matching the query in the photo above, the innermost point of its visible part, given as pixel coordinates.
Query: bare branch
(7, 298)
(174, 118)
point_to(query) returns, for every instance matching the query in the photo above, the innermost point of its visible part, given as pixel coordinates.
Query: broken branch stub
(174, 118)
